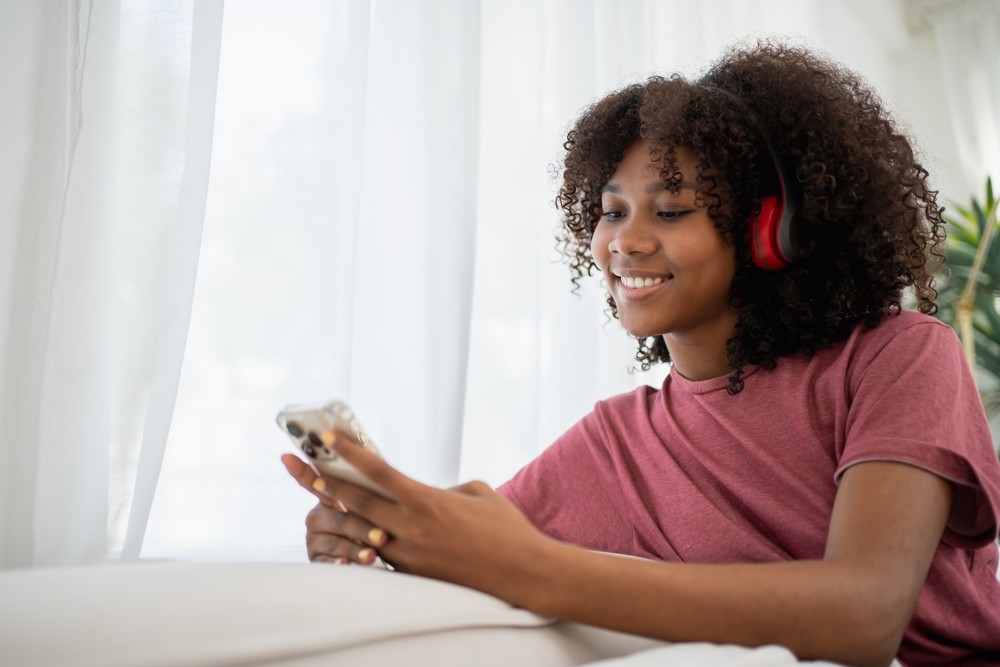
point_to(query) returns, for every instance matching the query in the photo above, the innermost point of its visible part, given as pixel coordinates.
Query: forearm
(851, 607)
(818, 609)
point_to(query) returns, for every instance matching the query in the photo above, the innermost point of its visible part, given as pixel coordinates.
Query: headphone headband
(773, 234)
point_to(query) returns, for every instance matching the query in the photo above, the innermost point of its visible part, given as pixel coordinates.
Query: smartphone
(313, 428)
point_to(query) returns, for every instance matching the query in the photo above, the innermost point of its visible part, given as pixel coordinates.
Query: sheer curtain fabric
(375, 180)
(380, 229)
(103, 171)
(57, 199)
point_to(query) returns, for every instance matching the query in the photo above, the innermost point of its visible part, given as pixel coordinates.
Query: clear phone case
(312, 429)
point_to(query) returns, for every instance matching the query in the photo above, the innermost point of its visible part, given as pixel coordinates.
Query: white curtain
(380, 228)
(57, 193)
(337, 258)
(968, 44)
(104, 158)
(167, 80)
(375, 179)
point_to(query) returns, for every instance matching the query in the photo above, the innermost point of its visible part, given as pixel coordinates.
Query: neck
(701, 354)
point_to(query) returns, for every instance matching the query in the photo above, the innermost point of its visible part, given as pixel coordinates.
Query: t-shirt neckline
(706, 386)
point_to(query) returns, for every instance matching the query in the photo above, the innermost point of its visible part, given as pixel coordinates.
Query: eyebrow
(651, 189)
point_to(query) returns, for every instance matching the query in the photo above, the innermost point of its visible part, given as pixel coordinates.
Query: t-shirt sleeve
(915, 402)
(569, 492)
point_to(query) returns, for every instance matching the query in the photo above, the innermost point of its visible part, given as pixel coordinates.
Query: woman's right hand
(333, 534)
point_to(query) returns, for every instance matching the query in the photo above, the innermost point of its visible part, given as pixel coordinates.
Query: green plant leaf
(966, 226)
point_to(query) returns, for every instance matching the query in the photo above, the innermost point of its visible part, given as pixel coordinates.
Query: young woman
(816, 470)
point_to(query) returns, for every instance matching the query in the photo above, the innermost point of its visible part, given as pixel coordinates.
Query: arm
(853, 606)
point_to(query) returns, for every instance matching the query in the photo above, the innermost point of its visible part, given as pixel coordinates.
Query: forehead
(651, 188)
(636, 166)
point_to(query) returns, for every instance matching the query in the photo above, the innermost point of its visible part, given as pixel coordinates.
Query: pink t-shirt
(691, 474)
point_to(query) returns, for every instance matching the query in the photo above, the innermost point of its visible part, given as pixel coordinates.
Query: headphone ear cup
(763, 235)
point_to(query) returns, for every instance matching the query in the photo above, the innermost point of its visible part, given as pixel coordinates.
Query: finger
(376, 469)
(294, 465)
(323, 558)
(323, 545)
(369, 506)
(395, 555)
(300, 470)
(305, 476)
(323, 519)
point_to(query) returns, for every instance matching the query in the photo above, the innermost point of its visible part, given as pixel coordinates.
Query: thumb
(473, 488)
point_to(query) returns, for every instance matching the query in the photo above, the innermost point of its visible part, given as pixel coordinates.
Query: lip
(640, 274)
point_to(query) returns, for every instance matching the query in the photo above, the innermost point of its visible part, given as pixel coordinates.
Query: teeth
(635, 283)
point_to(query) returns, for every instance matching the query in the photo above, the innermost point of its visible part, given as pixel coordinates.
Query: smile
(638, 287)
(634, 283)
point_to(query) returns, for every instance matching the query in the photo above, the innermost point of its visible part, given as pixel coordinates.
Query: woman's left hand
(468, 535)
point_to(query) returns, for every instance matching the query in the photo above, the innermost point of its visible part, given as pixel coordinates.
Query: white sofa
(301, 615)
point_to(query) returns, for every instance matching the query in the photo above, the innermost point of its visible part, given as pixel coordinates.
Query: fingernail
(366, 555)
(319, 484)
(328, 437)
(343, 561)
(376, 536)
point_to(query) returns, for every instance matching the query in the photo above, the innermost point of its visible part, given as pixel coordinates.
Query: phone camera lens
(294, 429)
(315, 440)
(308, 450)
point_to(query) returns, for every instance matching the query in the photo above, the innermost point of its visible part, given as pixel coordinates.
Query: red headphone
(773, 233)
(773, 228)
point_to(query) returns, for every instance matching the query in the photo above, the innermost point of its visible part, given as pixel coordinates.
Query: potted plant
(968, 289)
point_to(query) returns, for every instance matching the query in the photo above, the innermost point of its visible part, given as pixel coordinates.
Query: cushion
(225, 613)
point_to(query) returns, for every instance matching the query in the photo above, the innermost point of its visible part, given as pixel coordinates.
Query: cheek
(723, 268)
(702, 249)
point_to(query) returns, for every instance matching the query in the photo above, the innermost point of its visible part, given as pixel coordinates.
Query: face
(664, 260)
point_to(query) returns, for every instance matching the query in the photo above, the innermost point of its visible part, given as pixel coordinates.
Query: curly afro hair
(869, 225)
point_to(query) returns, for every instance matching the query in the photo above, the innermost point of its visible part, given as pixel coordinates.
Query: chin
(641, 331)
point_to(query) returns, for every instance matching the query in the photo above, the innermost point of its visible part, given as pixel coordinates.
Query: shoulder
(637, 400)
(901, 338)
(907, 349)
(625, 413)
(901, 320)
(572, 491)
(901, 327)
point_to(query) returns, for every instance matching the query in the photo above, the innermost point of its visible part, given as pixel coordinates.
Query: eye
(612, 214)
(672, 215)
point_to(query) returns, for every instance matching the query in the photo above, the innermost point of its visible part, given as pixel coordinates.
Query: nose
(634, 235)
